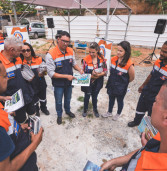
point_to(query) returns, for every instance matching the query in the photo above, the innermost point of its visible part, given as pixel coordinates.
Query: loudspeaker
(160, 26)
(50, 23)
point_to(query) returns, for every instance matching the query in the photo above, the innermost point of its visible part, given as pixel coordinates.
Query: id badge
(11, 74)
(58, 64)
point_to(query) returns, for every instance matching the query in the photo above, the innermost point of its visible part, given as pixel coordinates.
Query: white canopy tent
(84, 4)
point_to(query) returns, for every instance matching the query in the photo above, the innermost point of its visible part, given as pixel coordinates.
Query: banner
(18, 31)
(1, 45)
(1, 42)
(105, 49)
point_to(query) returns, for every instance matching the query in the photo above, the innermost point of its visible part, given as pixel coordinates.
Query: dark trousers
(94, 95)
(119, 101)
(21, 113)
(144, 105)
(40, 98)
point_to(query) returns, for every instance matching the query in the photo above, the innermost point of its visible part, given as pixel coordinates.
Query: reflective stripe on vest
(34, 66)
(13, 68)
(162, 71)
(63, 58)
(57, 55)
(66, 64)
(35, 62)
(122, 69)
(88, 60)
(133, 163)
(119, 69)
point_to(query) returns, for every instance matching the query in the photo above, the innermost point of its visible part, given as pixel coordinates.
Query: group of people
(17, 150)
(60, 62)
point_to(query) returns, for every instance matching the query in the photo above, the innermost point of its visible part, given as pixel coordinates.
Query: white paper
(81, 80)
(15, 103)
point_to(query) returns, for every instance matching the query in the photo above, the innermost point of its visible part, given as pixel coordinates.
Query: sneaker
(133, 124)
(115, 118)
(46, 112)
(37, 113)
(59, 120)
(84, 114)
(70, 114)
(106, 115)
(96, 113)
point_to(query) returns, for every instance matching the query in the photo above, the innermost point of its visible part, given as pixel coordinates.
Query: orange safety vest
(158, 77)
(35, 62)
(63, 64)
(89, 63)
(16, 81)
(4, 120)
(119, 77)
(148, 159)
(38, 83)
(88, 68)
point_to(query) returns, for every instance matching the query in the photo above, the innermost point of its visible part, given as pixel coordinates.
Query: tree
(5, 6)
(158, 3)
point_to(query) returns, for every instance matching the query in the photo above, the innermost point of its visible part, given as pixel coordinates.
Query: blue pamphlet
(91, 167)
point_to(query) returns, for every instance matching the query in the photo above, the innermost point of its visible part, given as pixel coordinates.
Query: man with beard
(151, 86)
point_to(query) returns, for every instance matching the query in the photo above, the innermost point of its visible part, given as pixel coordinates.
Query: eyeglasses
(26, 50)
(64, 41)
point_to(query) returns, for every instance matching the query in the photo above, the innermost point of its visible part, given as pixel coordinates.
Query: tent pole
(14, 11)
(69, 21)
(127, 24)
(107, 18)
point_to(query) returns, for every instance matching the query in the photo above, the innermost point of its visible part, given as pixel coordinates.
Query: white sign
(105, 49)
(18, 31)
(1, 45)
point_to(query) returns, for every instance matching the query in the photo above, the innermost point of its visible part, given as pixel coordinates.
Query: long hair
(32, 51)
(126, 46)
(95, 46)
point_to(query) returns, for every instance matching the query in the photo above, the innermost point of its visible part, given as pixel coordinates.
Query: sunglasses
(26, 50)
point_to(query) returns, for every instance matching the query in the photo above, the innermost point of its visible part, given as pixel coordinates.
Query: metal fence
(86, 28)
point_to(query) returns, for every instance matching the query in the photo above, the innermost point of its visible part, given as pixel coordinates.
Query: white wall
(86, 28)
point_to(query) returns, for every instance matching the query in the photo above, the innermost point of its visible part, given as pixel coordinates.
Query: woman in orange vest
(121, 73)
(93, 64)
(38, 83)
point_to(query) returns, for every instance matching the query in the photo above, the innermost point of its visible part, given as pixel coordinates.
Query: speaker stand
(150, 57)
(53, 42)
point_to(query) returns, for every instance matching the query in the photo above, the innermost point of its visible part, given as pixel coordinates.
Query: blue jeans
(119, 101)
(58, 93)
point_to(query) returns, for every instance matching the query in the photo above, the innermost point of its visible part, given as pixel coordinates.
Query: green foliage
(80, 98)
(81, 108)
(6, 7)
(136, 53)
(73, 12)
(153, 2)
(158, 3)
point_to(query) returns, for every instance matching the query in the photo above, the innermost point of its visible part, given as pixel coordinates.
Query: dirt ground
(67, 147)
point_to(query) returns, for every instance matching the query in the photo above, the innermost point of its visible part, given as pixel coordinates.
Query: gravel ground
(67, 147)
